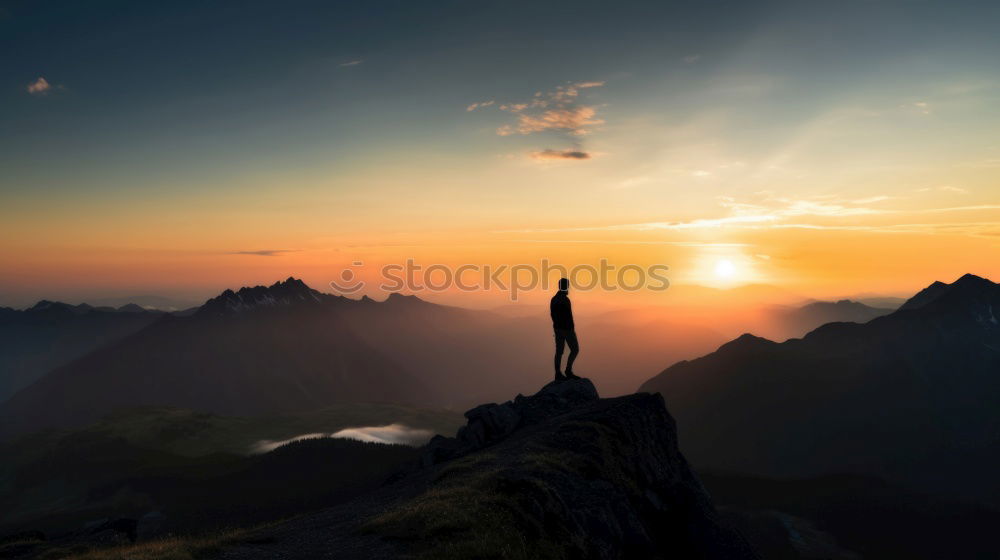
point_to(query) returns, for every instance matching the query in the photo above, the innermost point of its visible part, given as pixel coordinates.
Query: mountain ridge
(908, 396)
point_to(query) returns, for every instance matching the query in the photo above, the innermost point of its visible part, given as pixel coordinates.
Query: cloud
(871, 199)
(780, 207)
(352, 63)
(556, 110)
(944, 188)
(393, 433)
(691, 58)
(772, 212)
(697, 244)
(574, 120)
(919, 107)
(398, 434)
(559, 154)
(265, 252)
(479, 105)
(632, 182)
(949, 188)
(39, 87)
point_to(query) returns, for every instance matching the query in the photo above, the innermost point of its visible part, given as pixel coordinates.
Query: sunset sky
(175, 148)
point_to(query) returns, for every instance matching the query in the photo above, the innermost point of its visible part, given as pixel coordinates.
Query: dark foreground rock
(561, 474)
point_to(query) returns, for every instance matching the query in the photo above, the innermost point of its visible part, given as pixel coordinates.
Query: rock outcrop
(490, 423)
(560, 474)
(584, 477)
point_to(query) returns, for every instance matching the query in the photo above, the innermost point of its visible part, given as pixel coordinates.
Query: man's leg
(560, 341)
(574, 349)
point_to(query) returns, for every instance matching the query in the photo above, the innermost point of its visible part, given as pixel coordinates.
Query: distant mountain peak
(970, 279)
(746, 341)
(291, 283)
(291, 291)
(398, 298)
(969, 286)
(44, 304)
(48, 305)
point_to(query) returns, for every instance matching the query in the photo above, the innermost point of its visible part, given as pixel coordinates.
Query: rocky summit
(559, 474)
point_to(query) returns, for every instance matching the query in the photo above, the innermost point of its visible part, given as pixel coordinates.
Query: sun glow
(725, 269)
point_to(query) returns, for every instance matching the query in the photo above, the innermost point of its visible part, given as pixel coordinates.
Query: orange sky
(862, 158)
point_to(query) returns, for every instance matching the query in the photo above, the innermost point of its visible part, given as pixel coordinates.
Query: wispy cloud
(949, 188)
(871, 199)
(574, 120)
(918, 107)
(40, 86)
(944, 188)
(697, 244)
(352, 63)
(479, 105)
(772, 212)
(691, 58)
(558, 110)
(560, 155)
(265, 252)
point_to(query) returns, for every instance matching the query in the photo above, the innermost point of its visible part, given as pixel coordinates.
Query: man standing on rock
(562, 324)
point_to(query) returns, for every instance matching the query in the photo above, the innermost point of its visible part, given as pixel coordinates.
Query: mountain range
(289, 348)
(50, 334)
(910, 396)
(783, 322)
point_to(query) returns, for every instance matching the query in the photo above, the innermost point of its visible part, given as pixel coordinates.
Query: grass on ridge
(170, 548)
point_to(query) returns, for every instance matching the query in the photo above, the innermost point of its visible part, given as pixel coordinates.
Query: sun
(724, 269)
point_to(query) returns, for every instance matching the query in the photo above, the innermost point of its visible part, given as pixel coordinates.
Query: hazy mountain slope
(781, 323)
(279, 355)
(50, 334)
(909, 396)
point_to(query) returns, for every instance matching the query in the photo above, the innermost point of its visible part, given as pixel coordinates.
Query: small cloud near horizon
(691, 58)
(560, 155)
(352, 63)
(265, 252)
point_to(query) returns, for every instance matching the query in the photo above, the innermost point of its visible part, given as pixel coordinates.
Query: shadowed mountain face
(911, 396)
(50, 334)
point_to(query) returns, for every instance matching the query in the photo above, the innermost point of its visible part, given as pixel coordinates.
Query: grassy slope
(192, 434)
(68, 473)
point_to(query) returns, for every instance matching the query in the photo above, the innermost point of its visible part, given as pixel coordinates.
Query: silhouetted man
(562, 324)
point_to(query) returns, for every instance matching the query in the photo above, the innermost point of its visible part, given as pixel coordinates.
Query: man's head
(563, 284)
